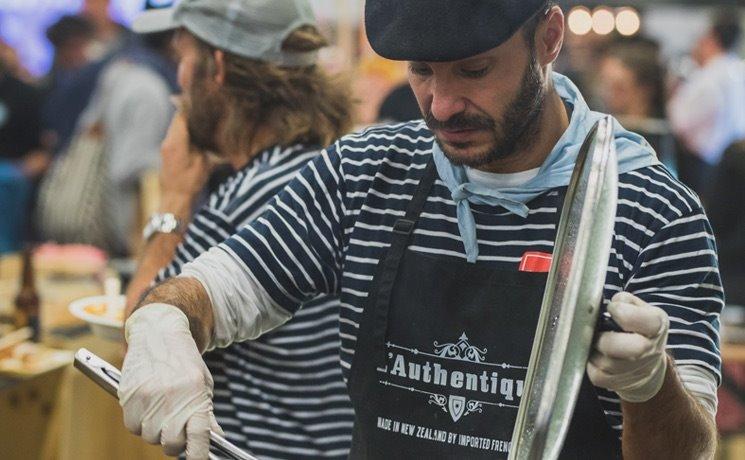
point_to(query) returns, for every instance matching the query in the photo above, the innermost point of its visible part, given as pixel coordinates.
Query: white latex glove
(166, 389)
(631, 363)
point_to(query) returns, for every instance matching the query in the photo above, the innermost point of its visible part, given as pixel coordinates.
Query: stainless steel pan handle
(108, 377)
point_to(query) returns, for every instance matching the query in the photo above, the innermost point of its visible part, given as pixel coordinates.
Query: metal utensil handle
(606, 323)
(108, 377)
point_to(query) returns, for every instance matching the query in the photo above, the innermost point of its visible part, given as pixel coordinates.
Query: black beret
(443, 30)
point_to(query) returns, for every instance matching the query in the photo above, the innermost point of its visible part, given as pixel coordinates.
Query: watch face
(168, 226)
(161, 223)
(169, 223)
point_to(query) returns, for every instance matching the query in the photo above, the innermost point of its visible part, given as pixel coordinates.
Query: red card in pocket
(535, 262)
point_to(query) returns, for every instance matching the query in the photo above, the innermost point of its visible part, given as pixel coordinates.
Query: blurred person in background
(127, 117)
(726, 210)
(12, 63)
(373, 79)
(80, 58)
(707, 112)
(21, 160)
(267, 111)
(399, 105)
(632, 80)
(632, 87)
(20, 123)
(108, 33)
(84, 45)
(71, 37)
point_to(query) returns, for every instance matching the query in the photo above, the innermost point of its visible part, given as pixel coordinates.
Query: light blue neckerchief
(633, 152)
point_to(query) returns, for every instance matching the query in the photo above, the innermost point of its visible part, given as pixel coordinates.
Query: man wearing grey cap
(438, 234)
(266, 109)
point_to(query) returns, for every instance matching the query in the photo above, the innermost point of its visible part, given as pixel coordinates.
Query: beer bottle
(27, 300)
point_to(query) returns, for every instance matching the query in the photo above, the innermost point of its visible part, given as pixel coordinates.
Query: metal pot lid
(571, 301)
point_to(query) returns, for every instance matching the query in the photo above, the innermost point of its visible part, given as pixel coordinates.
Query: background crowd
(75, 167)
(81, 132)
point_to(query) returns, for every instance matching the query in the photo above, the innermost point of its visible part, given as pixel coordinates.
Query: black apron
(441, 358)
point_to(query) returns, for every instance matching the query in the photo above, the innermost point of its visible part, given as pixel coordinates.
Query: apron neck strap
(406, 224)
(385, 277)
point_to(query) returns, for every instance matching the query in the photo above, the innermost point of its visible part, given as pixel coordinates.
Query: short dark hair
(727, 30)
(69, 27)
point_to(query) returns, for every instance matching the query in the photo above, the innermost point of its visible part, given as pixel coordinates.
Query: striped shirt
(282, 395)
(326, 232)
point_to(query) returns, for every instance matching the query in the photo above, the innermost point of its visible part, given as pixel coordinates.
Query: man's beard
(518, 129)
(204, 111)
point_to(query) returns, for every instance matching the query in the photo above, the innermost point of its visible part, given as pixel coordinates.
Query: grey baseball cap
(254, 29)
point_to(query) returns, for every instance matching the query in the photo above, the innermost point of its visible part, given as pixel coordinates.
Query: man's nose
(446, 101)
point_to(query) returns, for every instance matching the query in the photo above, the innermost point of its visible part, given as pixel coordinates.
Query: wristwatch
(162, 223)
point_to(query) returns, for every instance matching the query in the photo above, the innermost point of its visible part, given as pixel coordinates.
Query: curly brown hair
(294, 104)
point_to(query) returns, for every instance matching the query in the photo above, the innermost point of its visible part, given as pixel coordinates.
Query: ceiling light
(628, 22)
(603, 21)
(580, 20)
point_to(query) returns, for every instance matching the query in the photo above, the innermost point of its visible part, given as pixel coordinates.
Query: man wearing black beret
(438, 234)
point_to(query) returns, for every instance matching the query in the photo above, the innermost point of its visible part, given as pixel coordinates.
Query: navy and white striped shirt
(326, 232)
(282, 395)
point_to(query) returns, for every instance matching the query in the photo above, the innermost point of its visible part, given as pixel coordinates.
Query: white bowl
(107, 323)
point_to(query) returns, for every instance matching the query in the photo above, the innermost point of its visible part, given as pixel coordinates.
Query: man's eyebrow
(474, 60)
(477, 60)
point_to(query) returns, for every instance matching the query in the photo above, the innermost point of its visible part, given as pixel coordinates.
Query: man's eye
(477, 73)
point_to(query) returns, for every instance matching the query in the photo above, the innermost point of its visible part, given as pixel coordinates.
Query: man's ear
(550, 36)
(219, 76)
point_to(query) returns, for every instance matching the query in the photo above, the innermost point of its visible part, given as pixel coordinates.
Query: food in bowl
(104, 309)
(104, 314)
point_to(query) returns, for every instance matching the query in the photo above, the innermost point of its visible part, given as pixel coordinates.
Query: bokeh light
(628, 22)
(580, 20)
(603, 21)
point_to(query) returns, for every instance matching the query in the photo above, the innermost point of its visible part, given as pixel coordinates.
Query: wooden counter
(62, 415)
